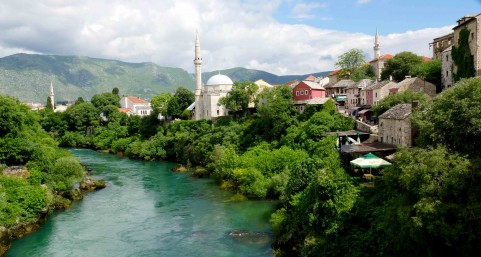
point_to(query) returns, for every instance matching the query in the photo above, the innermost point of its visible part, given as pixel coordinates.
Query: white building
(134, 105)
(207, 96)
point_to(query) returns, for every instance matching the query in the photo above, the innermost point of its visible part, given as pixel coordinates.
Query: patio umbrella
(370, 161)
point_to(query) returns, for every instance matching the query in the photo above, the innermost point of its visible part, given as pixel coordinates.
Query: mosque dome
(219, 79)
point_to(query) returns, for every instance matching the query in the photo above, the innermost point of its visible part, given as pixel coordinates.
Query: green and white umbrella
(369, 161)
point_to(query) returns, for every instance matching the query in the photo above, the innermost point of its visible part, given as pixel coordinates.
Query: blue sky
(389, 16)
(278, 36)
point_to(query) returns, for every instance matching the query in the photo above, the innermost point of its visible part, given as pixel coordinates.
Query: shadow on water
(147, 210)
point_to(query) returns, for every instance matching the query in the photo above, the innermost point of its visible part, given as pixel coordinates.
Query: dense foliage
(36, 172)
(425, 204)
(400, 66)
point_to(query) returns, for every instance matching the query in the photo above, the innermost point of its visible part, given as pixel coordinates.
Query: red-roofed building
(333, 76)
(310, 78)
(425, 59)
(378, 64)
(135, 105)
(308, 90)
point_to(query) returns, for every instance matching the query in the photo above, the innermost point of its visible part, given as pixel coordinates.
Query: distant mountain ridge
(28, 76)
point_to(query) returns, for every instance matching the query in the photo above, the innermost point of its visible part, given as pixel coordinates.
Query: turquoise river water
(147, 210)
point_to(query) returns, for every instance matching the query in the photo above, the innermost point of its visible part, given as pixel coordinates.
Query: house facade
(395, 126)
(135, 106)
(440, 44)
(473, 24)
(306, 90)
(354, 93)
(447, 68)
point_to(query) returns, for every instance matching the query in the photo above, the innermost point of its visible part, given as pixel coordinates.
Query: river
(147, 210)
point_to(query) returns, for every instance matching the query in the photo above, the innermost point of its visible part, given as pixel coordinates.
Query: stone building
(446, 69)
(473, 24)
(395, 126)
(416, 85)
(440, 44)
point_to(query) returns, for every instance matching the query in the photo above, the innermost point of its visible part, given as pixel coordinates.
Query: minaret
(198, 80)
(377, 50)
(51, 95)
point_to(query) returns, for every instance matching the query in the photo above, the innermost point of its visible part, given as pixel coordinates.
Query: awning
(364, 111)
(341, 98)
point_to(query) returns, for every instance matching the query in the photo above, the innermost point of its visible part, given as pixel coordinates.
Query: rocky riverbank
(63, 201)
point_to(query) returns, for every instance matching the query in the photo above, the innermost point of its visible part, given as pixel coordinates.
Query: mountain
(242, 74)
(28, 76)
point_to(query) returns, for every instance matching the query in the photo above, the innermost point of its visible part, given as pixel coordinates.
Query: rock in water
(250, 237)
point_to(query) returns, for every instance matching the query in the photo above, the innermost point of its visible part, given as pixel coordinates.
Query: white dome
(219, 79)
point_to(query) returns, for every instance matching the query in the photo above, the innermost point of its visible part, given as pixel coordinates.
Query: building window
(217, 111)
(306, 92)
(297, 93)
(376, 94)
(447, 57)
(447, 73)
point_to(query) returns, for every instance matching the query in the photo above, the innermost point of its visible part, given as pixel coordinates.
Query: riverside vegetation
(426, 204)
(36, 176)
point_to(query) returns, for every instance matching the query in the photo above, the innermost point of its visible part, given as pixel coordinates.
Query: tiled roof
(136, 100)
(425, 59)
(313, 85)
(380, 84)
(343, 83)
(314, 101)
(362, 83)
(384, 56)
(398, 112)
(125, 110)
(334, 72)
(310, 78)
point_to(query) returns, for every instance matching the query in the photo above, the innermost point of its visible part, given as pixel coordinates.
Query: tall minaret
(377, 50)
(51, 95)
(198, 80)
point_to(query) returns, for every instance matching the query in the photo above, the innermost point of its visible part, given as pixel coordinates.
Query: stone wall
(395, 132)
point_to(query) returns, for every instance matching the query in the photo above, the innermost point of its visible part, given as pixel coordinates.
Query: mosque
(207, 96)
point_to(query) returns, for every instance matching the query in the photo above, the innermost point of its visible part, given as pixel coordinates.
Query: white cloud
(304, 10)
(236, 33)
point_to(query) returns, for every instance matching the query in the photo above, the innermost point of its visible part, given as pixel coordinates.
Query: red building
(306, 90)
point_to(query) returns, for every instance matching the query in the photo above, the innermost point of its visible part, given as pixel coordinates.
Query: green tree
(462, 57)
(179, 102)
(429, 205)
(79, 100)
(363, 72)
(104, 99)
(454, 118)
(81, 116)
(160, 103)
(49, 105)
(401, 65)
(431, 72)
(115, 91)
(351, 60)
(12, 116)
(238, 99)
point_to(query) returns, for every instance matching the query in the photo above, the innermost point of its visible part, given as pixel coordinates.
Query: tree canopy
(160, 103)
(351, 60)
(179, 102)
(401, 65)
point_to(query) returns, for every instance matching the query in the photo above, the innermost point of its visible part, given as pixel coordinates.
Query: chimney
(414, 104)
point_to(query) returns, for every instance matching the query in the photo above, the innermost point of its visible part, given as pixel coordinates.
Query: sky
(284, 37)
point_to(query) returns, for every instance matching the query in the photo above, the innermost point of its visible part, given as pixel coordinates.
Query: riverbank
(62, 200)
(148, 210)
